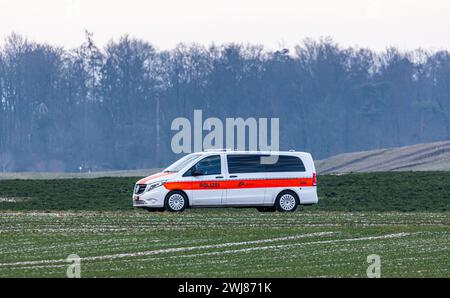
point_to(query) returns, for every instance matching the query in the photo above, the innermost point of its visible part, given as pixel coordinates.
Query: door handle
(233, 176)
(219, 177)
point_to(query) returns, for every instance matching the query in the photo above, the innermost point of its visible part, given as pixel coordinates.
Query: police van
(269, 181)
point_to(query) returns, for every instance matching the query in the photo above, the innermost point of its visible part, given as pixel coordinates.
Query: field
(58, 175)
(393, 191)
(224, 243)
(402, 217)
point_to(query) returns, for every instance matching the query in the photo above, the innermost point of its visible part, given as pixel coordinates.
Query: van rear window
(286, 163)
(251, 163)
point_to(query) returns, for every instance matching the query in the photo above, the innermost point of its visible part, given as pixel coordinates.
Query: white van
(231, 179)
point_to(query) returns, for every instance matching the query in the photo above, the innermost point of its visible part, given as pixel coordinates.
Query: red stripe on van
(235, 184)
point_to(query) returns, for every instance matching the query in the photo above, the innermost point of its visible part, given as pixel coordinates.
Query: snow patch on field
(215, 246)
(11, 200)
(249, 249)
(172, 250)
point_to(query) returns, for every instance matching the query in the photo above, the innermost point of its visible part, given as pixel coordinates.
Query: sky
(376, 24)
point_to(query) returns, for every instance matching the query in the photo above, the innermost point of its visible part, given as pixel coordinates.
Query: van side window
(209, 165)
(244, 163)
(286, 163)
(251, 163)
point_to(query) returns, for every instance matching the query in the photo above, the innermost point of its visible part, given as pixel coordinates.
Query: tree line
(93, 108)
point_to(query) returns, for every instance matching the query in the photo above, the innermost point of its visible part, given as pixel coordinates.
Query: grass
(402, 217)
(385, 191)
(393, 191)
(224, 243)
(67, 194)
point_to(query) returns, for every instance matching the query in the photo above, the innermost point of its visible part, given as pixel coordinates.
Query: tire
(286, 201)
(266, 209)
(176, 201)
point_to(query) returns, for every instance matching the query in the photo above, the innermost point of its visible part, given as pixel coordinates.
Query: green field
(402, 217)
(225, 243)
(393, 191)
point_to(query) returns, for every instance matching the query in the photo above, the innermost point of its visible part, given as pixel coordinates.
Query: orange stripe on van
(157, 175)
(236, 184)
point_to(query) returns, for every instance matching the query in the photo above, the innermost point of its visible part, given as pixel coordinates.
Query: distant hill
(421, 157)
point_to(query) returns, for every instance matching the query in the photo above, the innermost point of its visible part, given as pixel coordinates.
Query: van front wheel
(176, 201)
(286, 201)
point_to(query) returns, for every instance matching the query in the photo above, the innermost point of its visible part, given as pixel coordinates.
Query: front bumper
(154, 198)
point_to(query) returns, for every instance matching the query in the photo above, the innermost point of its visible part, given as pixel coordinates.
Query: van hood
(155, 178)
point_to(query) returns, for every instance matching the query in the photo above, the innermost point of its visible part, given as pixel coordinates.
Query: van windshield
(181, 163)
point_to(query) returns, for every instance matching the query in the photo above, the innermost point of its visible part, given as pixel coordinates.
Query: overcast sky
(377, 24)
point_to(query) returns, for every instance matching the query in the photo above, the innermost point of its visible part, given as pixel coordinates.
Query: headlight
(154, 185)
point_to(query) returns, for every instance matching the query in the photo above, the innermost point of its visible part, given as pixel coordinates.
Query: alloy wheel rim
(176, 202)
(287, 202)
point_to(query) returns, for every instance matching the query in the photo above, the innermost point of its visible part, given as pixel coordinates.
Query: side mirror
(197, 172)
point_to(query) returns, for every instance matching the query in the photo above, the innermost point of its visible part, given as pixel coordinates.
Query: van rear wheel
(176, 201)
(286, 201)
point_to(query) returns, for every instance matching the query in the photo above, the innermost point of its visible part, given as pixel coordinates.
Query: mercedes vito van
(231, 179)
